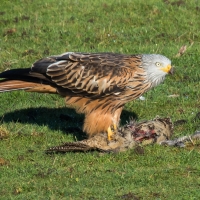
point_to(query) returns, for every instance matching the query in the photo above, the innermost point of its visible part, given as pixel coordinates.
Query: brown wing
(92, 74)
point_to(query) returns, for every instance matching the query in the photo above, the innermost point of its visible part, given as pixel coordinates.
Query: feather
(96, 84)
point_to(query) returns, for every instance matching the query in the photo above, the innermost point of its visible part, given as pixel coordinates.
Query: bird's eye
(158, 64)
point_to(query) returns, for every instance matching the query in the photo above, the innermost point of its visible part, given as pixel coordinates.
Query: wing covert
(95, 74)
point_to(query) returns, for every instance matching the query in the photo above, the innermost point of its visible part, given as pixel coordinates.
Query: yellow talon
(115, 127)
(110, 132)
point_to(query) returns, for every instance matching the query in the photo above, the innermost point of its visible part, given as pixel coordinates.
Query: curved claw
(110, 132)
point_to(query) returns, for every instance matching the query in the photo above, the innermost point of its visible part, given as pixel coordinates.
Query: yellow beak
(168, 69)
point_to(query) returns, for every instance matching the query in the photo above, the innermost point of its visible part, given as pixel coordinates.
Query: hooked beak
(169, 69)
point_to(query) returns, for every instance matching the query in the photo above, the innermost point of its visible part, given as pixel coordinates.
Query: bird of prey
(96, 84)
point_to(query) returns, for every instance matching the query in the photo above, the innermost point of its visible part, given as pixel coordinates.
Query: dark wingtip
(13, 73)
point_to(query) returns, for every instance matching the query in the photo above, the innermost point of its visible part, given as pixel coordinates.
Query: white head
(157, 67)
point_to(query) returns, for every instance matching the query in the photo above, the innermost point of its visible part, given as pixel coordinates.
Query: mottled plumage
(96, 84)
(127, 137)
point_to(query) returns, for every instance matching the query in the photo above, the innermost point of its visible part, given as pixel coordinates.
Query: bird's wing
(93, 74)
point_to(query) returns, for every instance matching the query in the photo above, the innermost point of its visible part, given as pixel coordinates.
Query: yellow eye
(158, 64)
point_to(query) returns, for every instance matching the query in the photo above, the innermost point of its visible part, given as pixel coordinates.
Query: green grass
(34, 29)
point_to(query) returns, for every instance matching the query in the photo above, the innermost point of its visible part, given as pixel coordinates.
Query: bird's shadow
(64, 119)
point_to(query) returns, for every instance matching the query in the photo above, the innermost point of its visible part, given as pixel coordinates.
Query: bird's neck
(155, 78)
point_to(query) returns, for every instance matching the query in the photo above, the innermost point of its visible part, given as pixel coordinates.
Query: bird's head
(157, 67)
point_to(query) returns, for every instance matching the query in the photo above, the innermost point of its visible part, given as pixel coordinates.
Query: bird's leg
(115, 127)
(110, 133)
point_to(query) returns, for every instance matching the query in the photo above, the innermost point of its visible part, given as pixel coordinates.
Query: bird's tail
(10, 85)
(21, 79)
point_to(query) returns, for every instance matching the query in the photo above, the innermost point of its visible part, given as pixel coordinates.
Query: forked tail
(22, 79)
